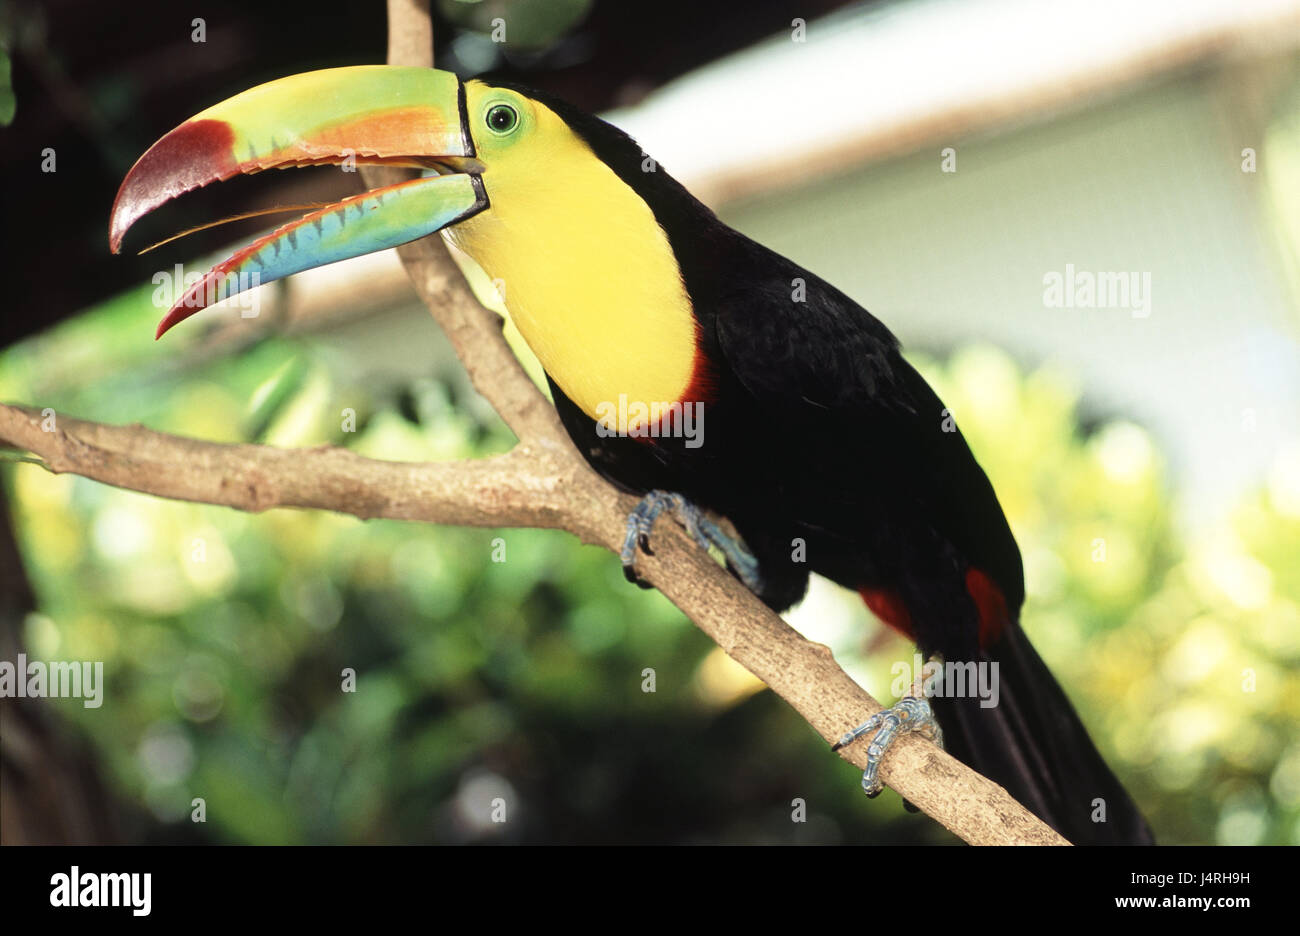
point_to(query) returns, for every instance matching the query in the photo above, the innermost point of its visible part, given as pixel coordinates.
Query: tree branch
(542, 482)
(520, 488)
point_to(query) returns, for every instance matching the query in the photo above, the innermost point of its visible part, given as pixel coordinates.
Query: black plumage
(818, 432)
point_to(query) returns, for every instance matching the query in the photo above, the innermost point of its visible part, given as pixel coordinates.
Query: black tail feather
(1034, 745)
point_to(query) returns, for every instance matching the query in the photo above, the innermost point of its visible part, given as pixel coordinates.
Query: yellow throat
(583, 267)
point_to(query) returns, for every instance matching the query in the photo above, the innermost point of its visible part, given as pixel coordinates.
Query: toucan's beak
(368, 114)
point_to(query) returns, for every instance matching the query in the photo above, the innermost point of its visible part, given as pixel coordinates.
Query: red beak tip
(165, 325)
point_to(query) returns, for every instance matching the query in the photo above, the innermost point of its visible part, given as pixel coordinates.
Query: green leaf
(7, 102)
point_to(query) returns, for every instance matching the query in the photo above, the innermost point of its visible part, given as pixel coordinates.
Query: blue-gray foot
(701, 529)
(912, 713)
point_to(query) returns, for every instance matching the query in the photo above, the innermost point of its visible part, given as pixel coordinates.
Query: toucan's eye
(502, 118)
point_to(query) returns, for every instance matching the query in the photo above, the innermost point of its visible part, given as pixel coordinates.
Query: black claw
(836, 746)
(875, 794)
(644, 543)
(629, 573)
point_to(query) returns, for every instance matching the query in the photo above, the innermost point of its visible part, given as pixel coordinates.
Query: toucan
(692, 366)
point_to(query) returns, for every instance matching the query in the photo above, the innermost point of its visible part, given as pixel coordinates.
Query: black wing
(825, 365)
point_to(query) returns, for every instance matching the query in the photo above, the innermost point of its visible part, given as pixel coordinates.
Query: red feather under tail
(1030, 740)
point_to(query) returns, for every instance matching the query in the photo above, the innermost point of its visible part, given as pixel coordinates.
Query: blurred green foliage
(1179, 650)
(8, 104)
(532, 25)
(226, 637)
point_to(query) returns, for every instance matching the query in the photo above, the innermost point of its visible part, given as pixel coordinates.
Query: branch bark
(542, 482)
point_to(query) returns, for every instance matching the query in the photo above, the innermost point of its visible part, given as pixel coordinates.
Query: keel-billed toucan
(816, 439)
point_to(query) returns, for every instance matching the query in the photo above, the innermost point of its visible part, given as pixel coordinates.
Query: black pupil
(501, 117)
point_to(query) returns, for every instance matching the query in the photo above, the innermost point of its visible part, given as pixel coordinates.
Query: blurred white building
(1102, 137)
